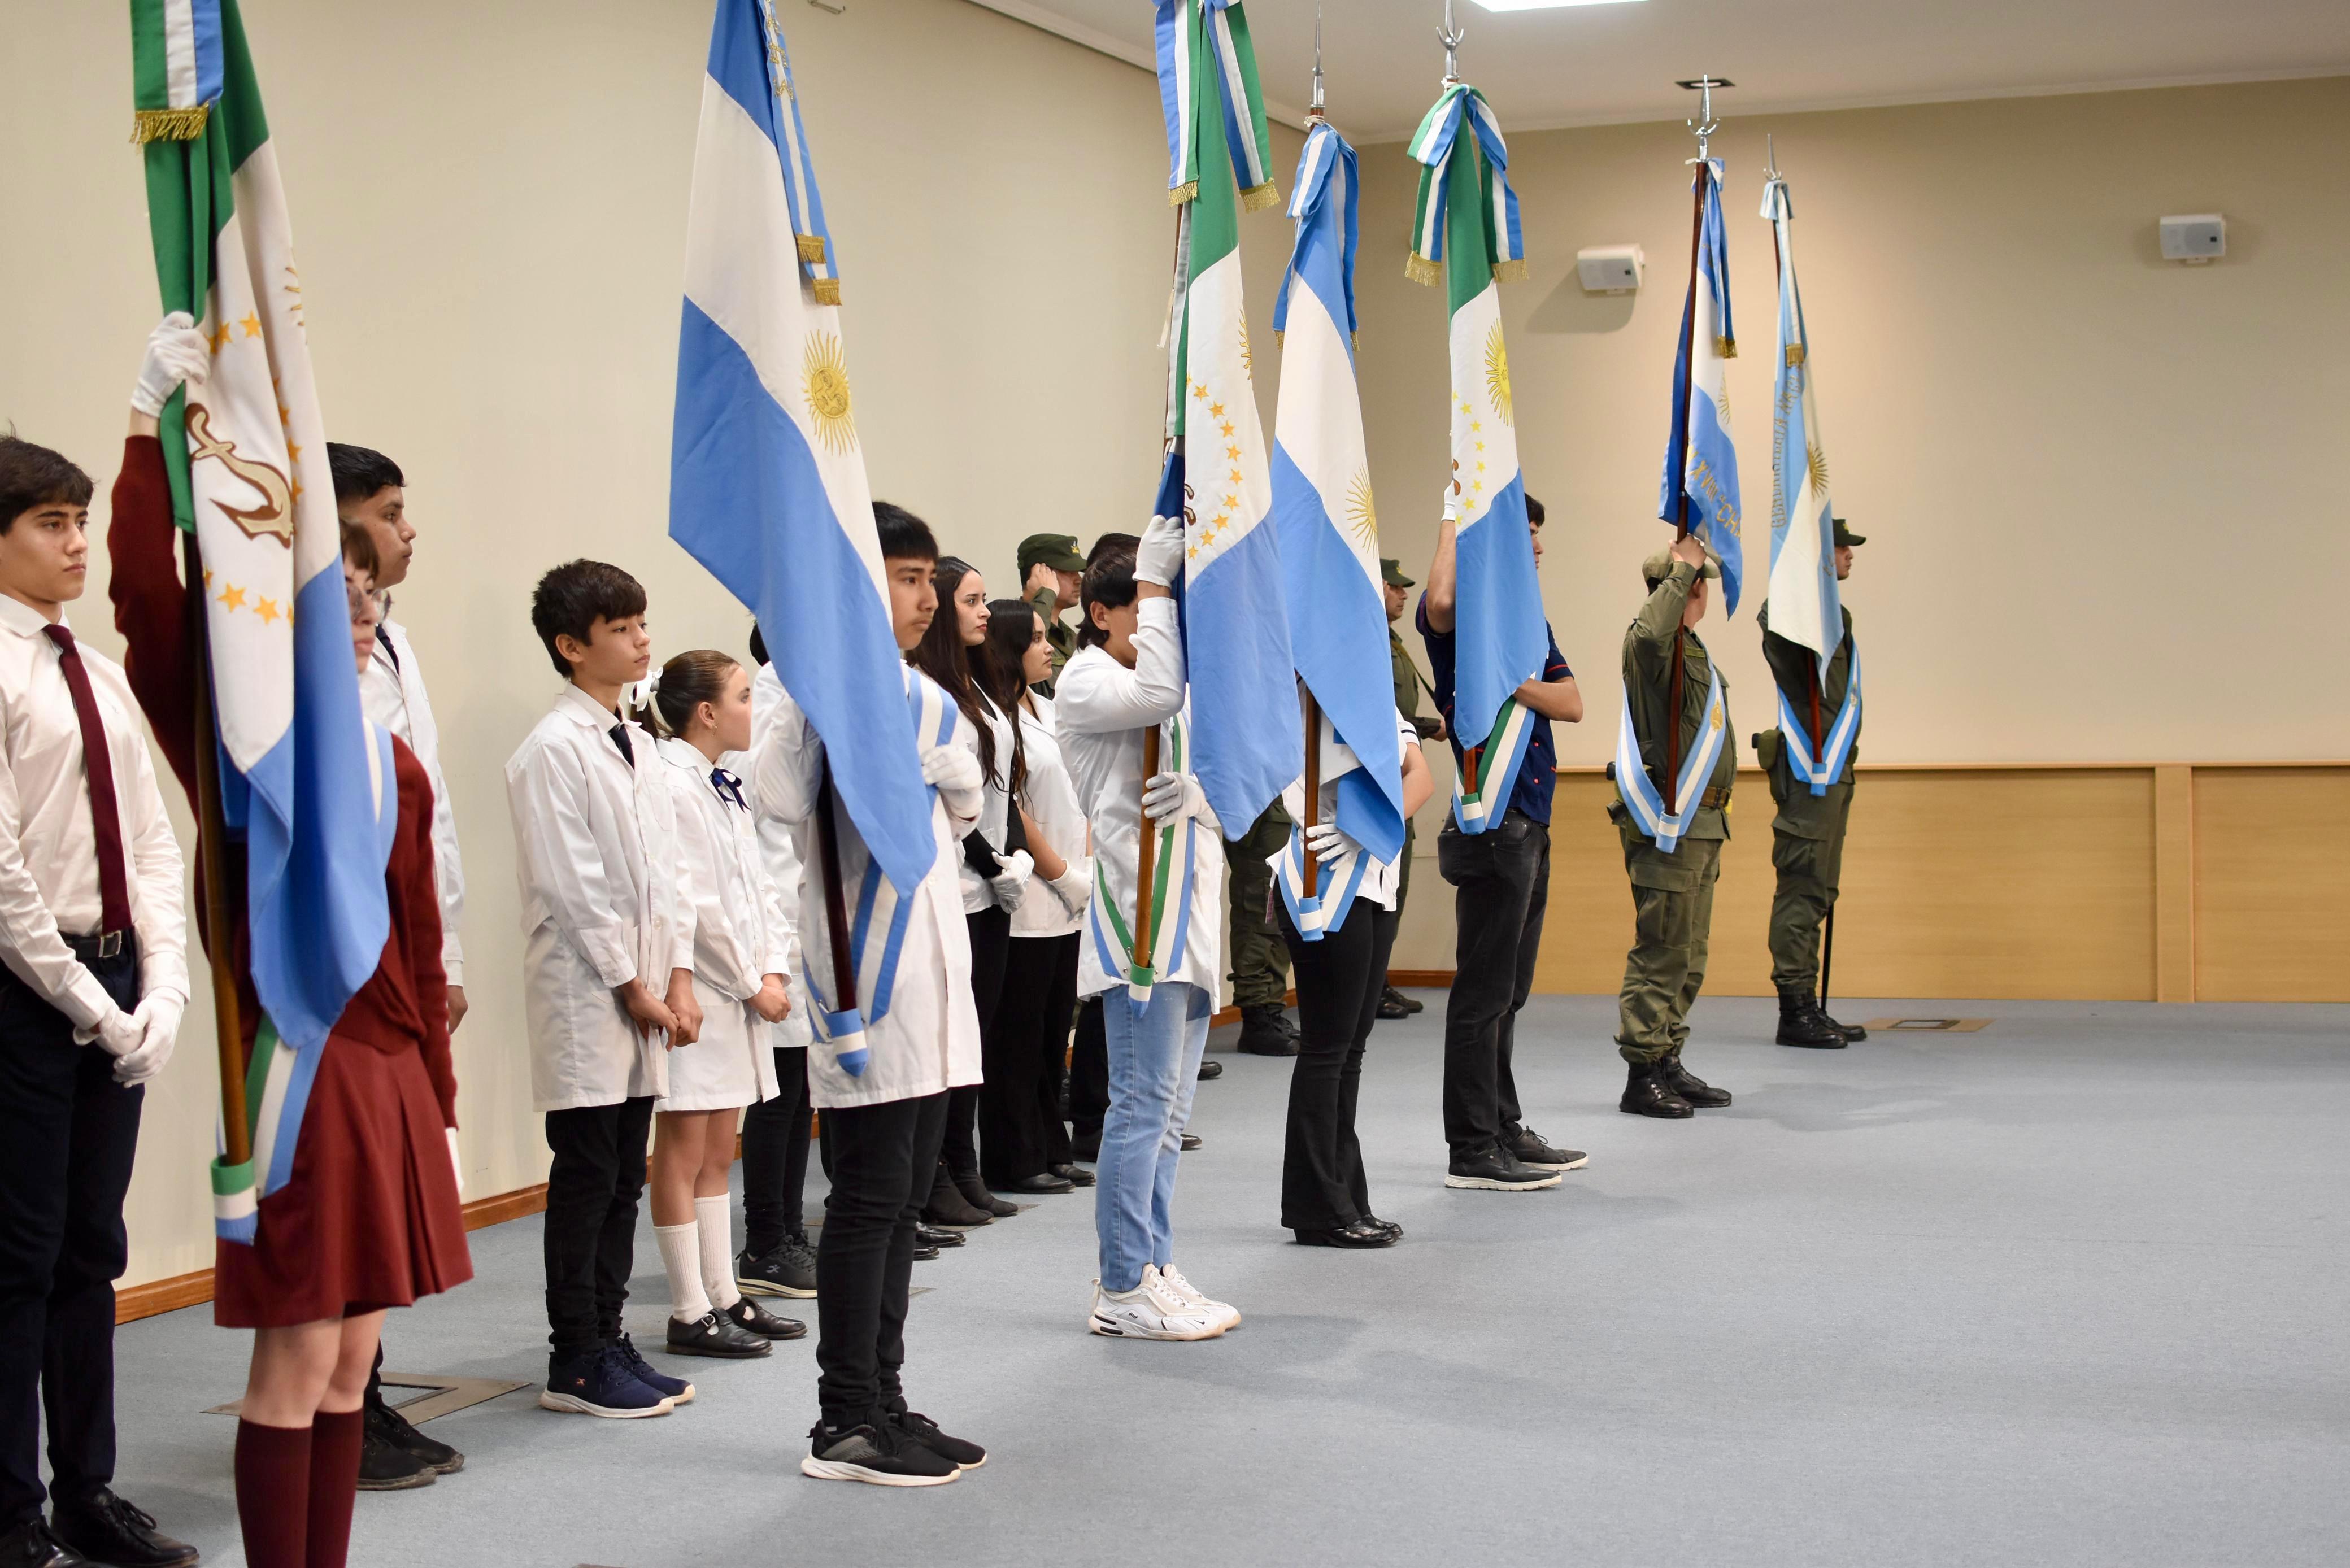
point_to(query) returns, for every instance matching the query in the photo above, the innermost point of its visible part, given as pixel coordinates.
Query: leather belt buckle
(110, 944)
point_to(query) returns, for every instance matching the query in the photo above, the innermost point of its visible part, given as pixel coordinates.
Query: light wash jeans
(1154, 1069)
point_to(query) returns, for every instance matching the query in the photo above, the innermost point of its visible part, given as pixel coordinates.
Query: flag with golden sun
(1805, 606)
(1467, 232)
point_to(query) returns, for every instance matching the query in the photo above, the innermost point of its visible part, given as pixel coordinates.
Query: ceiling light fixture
(1543, 5)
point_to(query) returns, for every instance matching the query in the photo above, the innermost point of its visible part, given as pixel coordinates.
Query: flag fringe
(1421, 270)
(1726, 347)
(169, 124)
(1257, 198)
(827, 290)
(1795, 355)
(1184, 193)
(1510, 271)
(811, 247)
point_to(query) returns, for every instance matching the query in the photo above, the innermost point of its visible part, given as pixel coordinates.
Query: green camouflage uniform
(1260, 975)
(1807, 834)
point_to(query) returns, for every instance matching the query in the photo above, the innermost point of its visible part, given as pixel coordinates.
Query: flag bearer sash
(1825, 768)
(1107, 925)
(1340, 879)
(1640, 792)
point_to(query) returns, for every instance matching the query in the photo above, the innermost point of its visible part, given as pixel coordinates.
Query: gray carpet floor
(2067, 1291)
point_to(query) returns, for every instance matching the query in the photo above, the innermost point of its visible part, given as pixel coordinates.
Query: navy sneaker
(599, 1383)
(677, 1390)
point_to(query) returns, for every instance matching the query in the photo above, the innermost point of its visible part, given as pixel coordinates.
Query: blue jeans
(1154, 1069)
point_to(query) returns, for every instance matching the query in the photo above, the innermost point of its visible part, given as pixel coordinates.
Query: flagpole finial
(1450, 35)
(1704, 125)
(1770, 156)
(1315, 110)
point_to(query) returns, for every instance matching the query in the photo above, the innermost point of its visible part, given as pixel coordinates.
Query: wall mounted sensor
(2194, 237)
(1610, 269)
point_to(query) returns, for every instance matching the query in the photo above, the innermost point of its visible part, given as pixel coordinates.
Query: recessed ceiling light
(1542, 5)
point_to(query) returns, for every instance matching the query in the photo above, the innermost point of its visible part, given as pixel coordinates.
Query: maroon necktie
(113, 886)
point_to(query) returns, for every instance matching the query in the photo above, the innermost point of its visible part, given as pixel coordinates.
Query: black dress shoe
(1210, 1070)
(1389, 1226)
(120, 1534)
(1074, 1175)
(1394, 1005)
(923, 1254)
(1264, 1031)
(926, 1237)
(1191, 1141)
(715, 1335)
(975, 1193)
(1647, 1094)
(1044, 1184)
(390, 1425)
(1691, 1087)
(750, 1316)
(30, 1546)
(1362, 1235)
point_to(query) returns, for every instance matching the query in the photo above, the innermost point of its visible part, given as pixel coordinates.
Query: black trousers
(68, 1135)
(1500, 879)
(1088, 1071)
(990, 940)
(1020, 1130)
(775, 1157)
(1339, 981)
(883, 1157)
(591, 1219)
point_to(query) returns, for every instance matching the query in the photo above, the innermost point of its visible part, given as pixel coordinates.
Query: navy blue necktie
(619, 734)
(729, 787)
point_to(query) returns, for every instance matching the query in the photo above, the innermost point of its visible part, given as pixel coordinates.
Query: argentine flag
(1329, 535)
(305, 780)
(1805, 605)
(1245, 740)
(1467, 232)
(1699, 458)
(767, 485)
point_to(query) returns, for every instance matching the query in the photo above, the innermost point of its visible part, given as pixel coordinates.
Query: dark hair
(904, 536)
(358, 548)
(687, 681)
(941, 656)
(758, 646)
(570, 599)
(1129, 543)
(359, 472)
(1533, 512)
(34, 476)
(996, 663)
(1108, 581)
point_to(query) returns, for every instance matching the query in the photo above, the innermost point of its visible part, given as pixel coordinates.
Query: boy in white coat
(887, 1122)
(607, 975)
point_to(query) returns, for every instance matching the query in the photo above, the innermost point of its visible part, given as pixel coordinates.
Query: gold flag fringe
(1726, 347)
(1257, 198)
(1280, 339)
(169, 124)
(1510, 271)
(1420, 269)
(827, 289)
(1182, 193)
(811, 247)
(1795, 355)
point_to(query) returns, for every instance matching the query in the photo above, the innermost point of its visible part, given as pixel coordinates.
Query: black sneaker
(384, 1422)
(602, 1383)
(31, 1545)
(107, 1530)
(1191, 1141)
(385, 1466)
(918, 1427)
(876, 1456)
(1495, 1169)
(1528, 1146)
(749, 1315)
(676, 1390)
(789, 1271)
(713, 1335)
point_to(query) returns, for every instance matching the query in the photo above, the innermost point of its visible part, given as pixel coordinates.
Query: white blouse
(995, 805)
(1051, 801)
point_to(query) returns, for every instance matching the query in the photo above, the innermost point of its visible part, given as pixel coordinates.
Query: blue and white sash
(1639, 793)
(1170, 893)
(879, 904)
(1826, 768)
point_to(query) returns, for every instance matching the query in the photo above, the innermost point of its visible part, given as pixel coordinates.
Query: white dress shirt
(739, 939)
(996, 806)
(1338, 759)
(605, 900)
(779, 846)
(1051, 802)
(392, 692)
(48, 848)
(1102, 710)
(928, 1039)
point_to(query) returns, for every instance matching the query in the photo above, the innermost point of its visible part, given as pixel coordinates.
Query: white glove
(1072, 886)
(1010, 884)
(176, 352)
(456, 1162)
(1328, 843)
(158, 1020)
(1159, 557)
(1170, 797)
(118, 1034)
(951, 768)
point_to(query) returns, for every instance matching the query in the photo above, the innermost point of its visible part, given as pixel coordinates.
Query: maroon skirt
(371, 1218)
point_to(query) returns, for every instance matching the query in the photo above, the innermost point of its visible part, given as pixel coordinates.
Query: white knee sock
(717, 1227)
(681, 1256)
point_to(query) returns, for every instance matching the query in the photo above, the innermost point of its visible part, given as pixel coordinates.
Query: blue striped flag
(767, 483)
(1806, 607)
(1700, 460)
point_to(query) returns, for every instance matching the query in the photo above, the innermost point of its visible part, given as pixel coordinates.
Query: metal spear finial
(1771, 156)
(1314, 110)
(1704, 125)
(1450, 35)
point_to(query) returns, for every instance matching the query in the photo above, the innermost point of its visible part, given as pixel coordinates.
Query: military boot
(1646, 1093)
(1801, 1021)
(1263, 1030)
(1852, 1031)
(1690, 1086)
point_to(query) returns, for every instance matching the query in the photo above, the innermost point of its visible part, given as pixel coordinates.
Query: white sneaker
(1148, 1311)
(1171, 1280)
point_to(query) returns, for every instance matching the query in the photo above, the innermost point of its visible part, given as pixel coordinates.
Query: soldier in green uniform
(1672, 889)
(1807, 835)
(1394, 1003)
(1050, 570)
(1260, 973)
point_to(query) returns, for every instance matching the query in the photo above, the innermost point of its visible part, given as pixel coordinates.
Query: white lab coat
(393, 693)
(1102, 710)
(605, 900)
(738, 941)
(928, 1039)
(1050, 800)
(779, 845)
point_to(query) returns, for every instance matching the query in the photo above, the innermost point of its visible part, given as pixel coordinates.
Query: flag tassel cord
(1681, 468)
(836, 898)
(212, 839)
(1311, 868)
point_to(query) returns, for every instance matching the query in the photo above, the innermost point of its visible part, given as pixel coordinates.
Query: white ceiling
(1597, 64)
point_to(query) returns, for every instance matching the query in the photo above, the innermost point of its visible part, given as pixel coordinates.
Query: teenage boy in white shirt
(608, 965)
(93, 981)
(1127, 678)
(886, 1123)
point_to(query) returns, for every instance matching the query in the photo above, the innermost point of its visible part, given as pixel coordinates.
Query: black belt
(1717, 799)
(105, 945)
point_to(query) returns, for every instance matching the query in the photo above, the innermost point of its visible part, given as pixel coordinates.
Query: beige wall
(2039, 424)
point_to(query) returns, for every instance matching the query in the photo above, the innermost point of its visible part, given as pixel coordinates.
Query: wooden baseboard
(1441, 978)
(496, 1210)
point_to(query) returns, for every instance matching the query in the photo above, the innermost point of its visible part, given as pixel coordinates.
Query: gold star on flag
(267, 610)
(221, 338)
(1481, 446)
(252, 325)
(293, 453)
(1199, 388)
(1236, 476)
(1217, 410)
(1481, 468)
(1233, 452)
(232, 597)
(297, 491)
(1476, 424)
(1231, 501)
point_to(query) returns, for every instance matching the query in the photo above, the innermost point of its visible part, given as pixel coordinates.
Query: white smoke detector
(1610, 269)
(2194, 237)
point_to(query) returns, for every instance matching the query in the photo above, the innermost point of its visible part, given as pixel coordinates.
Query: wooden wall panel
(2272, 884)
(2025, 883)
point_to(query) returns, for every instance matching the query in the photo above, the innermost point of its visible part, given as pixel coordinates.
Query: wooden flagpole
(1145, 854)
(211, 840)
(1313, 868)
(835, 897)
(1681, 478)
